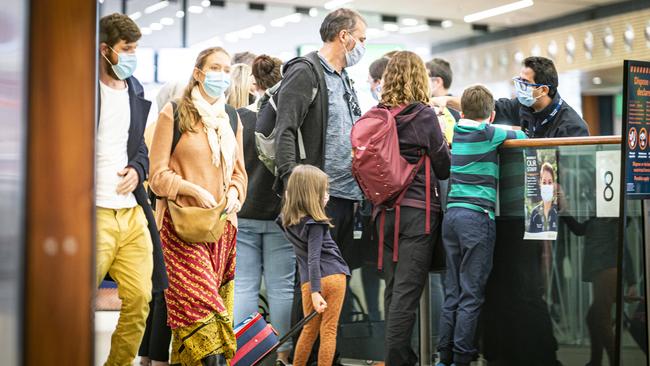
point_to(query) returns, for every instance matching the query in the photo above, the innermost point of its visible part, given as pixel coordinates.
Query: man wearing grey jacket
(317, 97)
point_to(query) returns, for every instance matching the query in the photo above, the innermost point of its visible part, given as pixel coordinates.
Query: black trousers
(157, 335)
(405, 279)
(341, 211)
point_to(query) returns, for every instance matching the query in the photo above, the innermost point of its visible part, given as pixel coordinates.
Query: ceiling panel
(214, 23)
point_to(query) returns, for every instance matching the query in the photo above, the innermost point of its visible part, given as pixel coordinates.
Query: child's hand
(318, 302)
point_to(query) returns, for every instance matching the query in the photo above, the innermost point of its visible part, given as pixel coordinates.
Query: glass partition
(555, 300)
(13, 117)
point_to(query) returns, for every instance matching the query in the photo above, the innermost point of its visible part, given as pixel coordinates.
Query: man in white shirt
(124, 241)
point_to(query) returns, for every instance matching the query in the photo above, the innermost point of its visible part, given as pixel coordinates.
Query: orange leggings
(333, 291)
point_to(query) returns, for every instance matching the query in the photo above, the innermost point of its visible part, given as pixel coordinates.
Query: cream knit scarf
(216, 125)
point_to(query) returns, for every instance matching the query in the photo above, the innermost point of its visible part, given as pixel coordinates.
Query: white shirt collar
(468, 122)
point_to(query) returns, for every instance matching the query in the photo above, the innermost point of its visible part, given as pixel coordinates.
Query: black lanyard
(551, 115)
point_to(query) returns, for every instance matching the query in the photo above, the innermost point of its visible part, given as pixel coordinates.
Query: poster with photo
(540, 203)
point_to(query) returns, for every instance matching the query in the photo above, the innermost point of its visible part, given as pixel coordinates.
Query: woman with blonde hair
(198, 175)
(405, 92)
(242, 88)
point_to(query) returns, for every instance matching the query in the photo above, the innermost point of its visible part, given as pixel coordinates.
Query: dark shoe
(213, 360)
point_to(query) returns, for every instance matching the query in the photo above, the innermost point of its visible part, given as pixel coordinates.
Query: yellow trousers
(124, 250)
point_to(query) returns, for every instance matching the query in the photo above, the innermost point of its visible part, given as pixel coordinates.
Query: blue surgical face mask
(356, 54)
(126, 64)
(525, 94)
(216, 83)
(376, 92)
(546, 191)
(526, 97)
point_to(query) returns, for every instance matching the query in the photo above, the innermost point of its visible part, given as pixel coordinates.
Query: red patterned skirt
(197, 272)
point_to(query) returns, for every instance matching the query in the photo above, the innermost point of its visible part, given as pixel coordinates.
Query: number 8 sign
(608, 176)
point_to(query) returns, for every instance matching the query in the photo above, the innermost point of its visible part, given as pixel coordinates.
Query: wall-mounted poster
(541, 185)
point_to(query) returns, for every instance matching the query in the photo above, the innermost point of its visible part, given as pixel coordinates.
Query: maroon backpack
(382, 173)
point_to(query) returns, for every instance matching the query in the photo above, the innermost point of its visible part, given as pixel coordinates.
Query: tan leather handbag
(197, 224)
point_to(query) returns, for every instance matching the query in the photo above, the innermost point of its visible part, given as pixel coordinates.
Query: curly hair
(116, 27)
(405, 80)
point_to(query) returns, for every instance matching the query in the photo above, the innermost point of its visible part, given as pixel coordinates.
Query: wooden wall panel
(591, 114)
(60, 205)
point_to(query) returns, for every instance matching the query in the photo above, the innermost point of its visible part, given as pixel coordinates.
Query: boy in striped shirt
(468, 229)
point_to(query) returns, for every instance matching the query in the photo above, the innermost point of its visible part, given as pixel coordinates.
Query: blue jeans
(262, 249)
(468, 238)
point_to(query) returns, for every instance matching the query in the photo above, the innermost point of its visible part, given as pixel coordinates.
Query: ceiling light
(205, 3)
(145, 31)
(552, 49)
(497, 11)
(570, 45)
(391, 27)
(156, 26)
(415, 29)
(180, 14)
(231, 37)
(294, 18)
(195, 9)
(447, 24)
(278, 23)
(628, 36)
(519, 57)
(313, 12)
(245, 34)
(597, 80)
(155, 7)
(608, 38)
(422, 51)
(373, 33)
(166, 21)
(536, 51)
(258, 29)
(135, 16)
(281, 22)
(331, 5)
(410, 22)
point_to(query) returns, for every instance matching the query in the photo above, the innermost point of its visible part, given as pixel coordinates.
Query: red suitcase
(256, 339)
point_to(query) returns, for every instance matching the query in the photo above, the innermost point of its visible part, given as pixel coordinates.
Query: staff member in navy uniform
(544, 216)
(538, 108)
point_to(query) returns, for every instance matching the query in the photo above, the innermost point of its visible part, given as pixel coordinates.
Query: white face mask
(546, 191)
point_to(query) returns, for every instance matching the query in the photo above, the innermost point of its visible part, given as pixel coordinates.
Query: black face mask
(251, 98)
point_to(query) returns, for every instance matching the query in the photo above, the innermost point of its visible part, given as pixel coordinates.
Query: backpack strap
(426, 161)
(177, 131)
(233, 116)
(301, 143)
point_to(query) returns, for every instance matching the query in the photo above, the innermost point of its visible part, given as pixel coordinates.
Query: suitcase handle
(297, 327)
(288, 336)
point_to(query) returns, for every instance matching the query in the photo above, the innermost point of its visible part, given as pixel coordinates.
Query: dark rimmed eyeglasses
(522, 84)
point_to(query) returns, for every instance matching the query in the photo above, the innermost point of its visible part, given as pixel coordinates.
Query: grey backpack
(266, 126)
